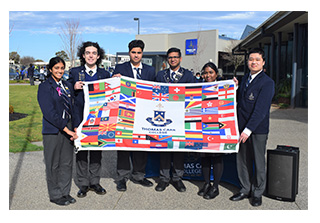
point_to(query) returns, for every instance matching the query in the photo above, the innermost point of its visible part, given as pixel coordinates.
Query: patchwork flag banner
(128, 114)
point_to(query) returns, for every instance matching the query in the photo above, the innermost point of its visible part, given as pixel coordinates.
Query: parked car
(13, 75)
(39, 76)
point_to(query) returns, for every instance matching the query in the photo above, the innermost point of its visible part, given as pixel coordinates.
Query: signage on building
(191, 46)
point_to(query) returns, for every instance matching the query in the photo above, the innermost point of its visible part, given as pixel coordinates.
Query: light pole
(137, 19)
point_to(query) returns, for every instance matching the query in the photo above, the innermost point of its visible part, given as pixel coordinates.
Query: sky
(36, 33)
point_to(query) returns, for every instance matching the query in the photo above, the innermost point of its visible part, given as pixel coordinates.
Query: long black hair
(81, 50)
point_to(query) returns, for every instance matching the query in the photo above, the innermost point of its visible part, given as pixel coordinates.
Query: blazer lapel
(129, 70)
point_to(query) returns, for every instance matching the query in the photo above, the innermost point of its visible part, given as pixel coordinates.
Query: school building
(284, 38)
(197, 48)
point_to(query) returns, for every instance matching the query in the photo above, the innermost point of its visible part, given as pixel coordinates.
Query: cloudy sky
(36, 33)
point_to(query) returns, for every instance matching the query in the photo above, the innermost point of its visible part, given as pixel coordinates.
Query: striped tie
(248, 81)
(66, 102)
(138, 72)
(172, 76)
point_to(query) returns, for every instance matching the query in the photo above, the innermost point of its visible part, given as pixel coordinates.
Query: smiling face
(174, 60)
(91, 56)
(57, 71)
(209, 74)
(255, 63)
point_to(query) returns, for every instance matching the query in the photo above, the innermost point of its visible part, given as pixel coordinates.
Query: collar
(175, 71)
(253, 76)
(132, 67)
(88, 69)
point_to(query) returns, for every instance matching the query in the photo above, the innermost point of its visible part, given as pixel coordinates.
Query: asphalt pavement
(28, 189)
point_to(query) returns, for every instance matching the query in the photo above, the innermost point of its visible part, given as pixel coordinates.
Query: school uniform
(56, 103)
(177, 158)
(139, 158)
(86, 176)
(253, 110)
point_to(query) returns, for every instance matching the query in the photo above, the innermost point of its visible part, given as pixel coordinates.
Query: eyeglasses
(175, 57)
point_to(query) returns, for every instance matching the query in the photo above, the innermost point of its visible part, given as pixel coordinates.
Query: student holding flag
(55, 98)
(253, 109)
(208, 191)
(174, 74)
(137, 70)
(88, 176)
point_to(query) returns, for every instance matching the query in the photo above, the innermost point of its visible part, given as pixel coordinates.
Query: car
(13, 75)
(38, 76)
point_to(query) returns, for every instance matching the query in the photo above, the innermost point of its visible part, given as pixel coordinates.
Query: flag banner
(130, 114)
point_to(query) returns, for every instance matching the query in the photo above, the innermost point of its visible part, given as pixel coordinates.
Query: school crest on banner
(128, 114)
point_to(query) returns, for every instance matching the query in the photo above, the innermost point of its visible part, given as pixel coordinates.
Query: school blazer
(52, 106)
(253, 108)
(147, 73)
(163, 76)
(78, 94)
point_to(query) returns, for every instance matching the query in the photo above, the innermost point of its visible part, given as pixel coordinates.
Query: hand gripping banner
(129, 114)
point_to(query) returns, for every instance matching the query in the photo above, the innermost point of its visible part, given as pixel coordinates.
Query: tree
(70, 37)
(62, 54)
(235, 60)
(26, 60)
(14, 56)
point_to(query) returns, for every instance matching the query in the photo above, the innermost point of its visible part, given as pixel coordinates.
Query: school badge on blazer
(251, 97)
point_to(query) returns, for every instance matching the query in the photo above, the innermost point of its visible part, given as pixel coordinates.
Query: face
(91, 55)
(135, 55)
(57, 71)
(174, 60)
(209, 74)
(255, 63)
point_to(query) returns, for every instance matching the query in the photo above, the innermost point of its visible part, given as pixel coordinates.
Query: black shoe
(121, 185)
(60, 201)
(70, 199)
(98, 189)
(238, 197)
(179, 185)
(204, 189)
(162, 186)
(83, 191)
(144, 182)
(256, 201)
(212, 193)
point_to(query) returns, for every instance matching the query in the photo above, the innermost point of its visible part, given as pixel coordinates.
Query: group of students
(62, 104)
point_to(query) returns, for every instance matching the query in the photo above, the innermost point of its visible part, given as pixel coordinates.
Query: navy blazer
(254, 103)
(163, 76)
(148, 73)
(79, 96)
(52, 106)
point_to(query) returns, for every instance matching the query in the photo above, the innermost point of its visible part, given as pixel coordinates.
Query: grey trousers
(252, 152)
(58, 155)
(177, 168)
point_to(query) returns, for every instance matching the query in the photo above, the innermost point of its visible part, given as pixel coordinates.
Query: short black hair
(136, 43)
(84, 45)
(259, 51)
(172, 50)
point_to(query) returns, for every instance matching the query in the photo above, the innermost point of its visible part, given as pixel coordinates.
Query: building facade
(197, 48)
(284, 38)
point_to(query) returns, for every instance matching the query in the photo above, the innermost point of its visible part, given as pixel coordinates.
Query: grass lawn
(23, 98)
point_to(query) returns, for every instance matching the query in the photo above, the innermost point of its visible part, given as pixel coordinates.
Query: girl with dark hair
(55, 98)
(208, 191)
